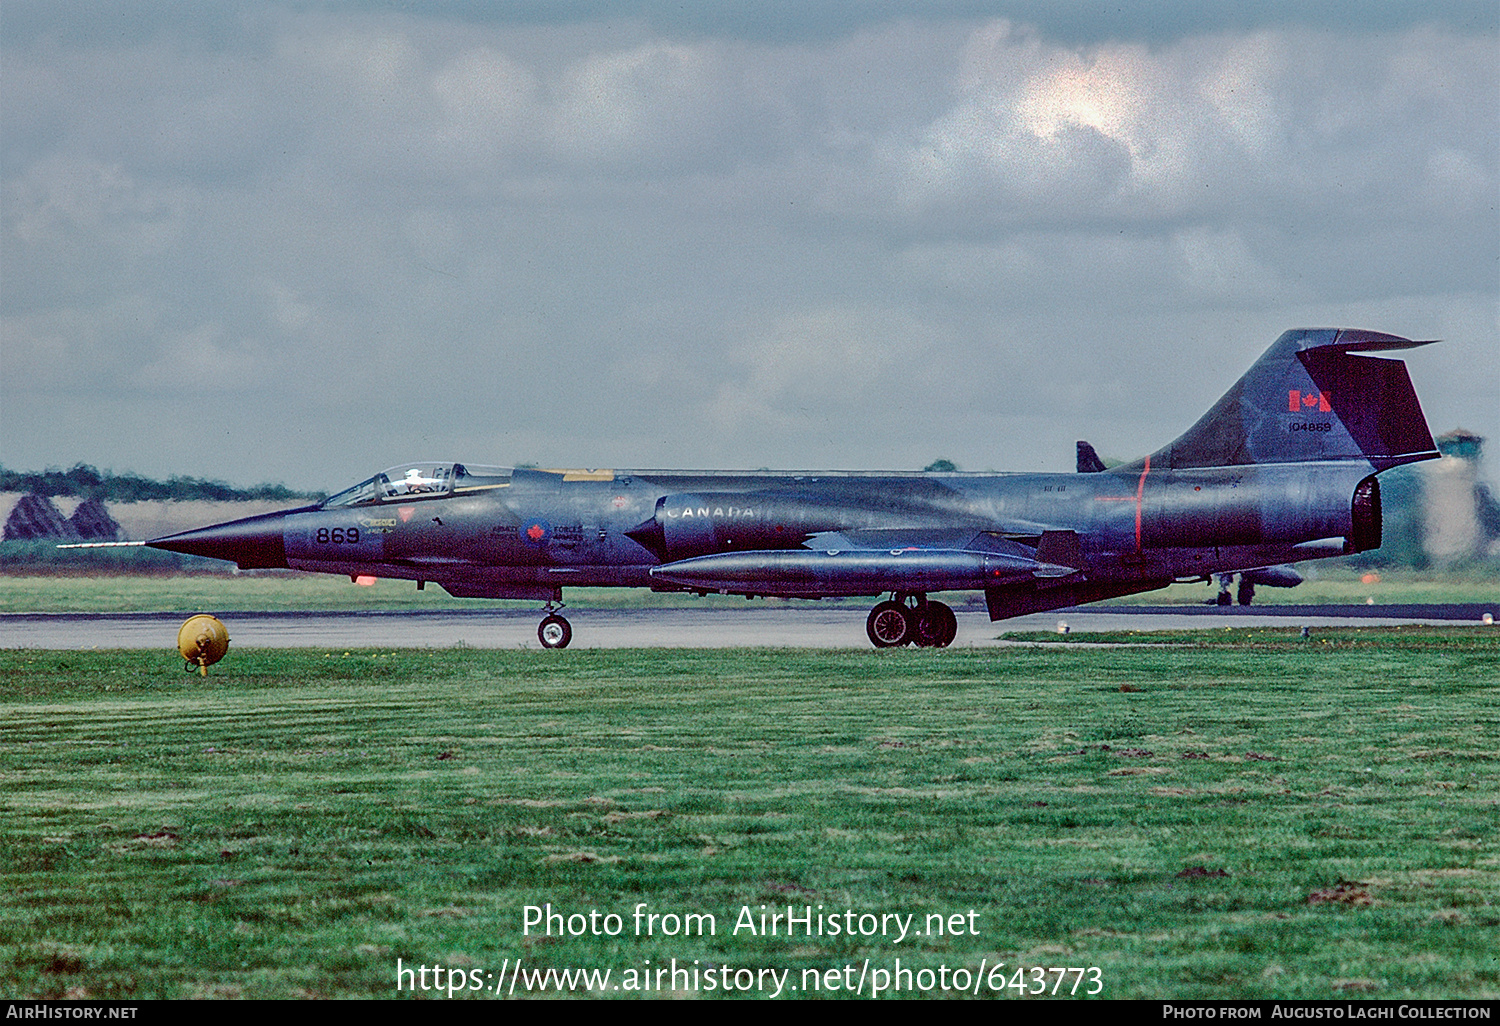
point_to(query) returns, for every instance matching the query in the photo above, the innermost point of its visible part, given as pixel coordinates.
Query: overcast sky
(302, 242)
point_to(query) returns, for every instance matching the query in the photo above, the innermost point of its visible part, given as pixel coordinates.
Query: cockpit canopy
(412, 481)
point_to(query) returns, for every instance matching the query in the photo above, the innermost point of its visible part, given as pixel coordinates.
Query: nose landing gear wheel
(889, 625)
(554, 632)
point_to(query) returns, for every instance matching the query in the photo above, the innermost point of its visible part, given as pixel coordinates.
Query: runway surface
(809, 626)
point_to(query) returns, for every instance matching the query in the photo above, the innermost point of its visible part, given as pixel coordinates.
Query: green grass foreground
(1211, 821)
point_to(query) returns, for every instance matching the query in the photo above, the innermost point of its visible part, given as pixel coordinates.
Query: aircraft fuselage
(1282, 469)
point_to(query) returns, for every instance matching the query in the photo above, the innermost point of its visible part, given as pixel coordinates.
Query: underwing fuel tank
(798, 572)
(1273, 577)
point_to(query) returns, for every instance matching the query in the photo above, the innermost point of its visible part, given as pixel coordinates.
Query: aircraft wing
(866, 563)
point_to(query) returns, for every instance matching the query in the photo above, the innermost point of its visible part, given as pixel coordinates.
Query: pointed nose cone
(255, 543)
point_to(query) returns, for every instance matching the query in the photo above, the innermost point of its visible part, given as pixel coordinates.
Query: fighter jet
(1282, 469)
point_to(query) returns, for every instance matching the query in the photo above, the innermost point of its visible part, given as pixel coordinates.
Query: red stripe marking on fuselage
(1140, 490)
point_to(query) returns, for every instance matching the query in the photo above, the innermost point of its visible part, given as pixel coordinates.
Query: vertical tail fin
(1309, 399)
(1088, 460)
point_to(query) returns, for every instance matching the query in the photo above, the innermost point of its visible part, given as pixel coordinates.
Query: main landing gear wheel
(889, 625)
(909, 619)
(936, 626)
(554, 632)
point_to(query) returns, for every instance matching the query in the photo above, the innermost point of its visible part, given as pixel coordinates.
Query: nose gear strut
(554, 631)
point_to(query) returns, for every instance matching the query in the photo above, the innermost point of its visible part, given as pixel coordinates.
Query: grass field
(1242, 816)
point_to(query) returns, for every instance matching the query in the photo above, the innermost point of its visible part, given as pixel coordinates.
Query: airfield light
(202, 640)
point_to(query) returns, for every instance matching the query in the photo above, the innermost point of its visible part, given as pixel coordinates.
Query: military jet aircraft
(1281, 469)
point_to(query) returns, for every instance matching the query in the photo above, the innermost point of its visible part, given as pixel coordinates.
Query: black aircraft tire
(889, 625)
(554, 632)
(935, 626)
(947, 621)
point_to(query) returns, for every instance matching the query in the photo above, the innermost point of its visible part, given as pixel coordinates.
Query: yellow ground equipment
(202, 640)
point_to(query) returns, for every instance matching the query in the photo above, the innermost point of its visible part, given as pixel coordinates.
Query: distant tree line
(87, 482)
